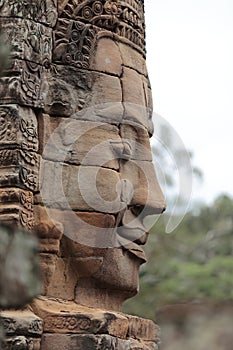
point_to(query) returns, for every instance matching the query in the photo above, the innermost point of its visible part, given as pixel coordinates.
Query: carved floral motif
(22, 83)
(105, 14)
(27, 40)
(18, 128)
(80, 23)
(44, 11)
(18, 146)
(74, 43)
(17, 207)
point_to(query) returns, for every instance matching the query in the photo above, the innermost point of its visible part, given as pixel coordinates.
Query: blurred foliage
(200, 331)
(4, 54)
(194, 263)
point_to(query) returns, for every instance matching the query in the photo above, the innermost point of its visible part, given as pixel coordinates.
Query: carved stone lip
(134, 249)
(132, 234)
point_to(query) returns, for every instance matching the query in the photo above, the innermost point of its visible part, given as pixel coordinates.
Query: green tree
(194, 263)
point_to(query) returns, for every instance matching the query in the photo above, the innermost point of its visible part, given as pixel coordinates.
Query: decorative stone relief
(18, 128)
(125, 18)
(76, 165)
(74, 43)
(82, 23)
(23, 330)
(43, 11)
(18, 145)
(16, 207)
(28, 40)
(23, 83)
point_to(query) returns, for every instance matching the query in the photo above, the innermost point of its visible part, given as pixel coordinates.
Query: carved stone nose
(147, 195)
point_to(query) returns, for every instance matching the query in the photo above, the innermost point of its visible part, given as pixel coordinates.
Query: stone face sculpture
(76, 163)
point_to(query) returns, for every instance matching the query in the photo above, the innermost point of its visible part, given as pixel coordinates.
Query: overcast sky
(190, 63)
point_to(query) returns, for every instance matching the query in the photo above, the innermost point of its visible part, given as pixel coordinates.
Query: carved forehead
(99, 52)
(117, 16)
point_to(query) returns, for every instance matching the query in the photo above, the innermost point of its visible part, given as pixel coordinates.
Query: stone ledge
(62, 317)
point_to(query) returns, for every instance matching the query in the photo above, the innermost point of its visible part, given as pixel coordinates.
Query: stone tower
(76, 165)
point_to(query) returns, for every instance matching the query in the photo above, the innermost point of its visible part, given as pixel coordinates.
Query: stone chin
(115, 281)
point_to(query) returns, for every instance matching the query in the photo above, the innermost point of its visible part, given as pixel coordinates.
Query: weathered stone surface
(23, 83)
(131, 78)
(91, 342)
(144, 184)
(62, 317)
(80, 188)
(68, 90)
(76, 249)
(48, 229)
(123, 19)
(90, 99)
(137, 101)
(113, 283)
(107, 57)
(141, 345)
(94, 229)
(132, 59)
(18, 146)
(79, 142)
(143, 329)
(16, 207)
(21, 342)
(18, 128)
(74, 43)
(19, 268)
(106, 89)
(21, 323)
(19, 169)
(28, 40)
(136, 141)
(41, 11)
(84, 95)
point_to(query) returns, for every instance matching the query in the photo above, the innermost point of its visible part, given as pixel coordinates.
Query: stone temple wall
(76, 167)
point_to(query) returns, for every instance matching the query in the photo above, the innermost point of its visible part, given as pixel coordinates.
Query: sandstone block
(22, 83)
(22, 342)
(16, 207)
(21, 323)
(80, 188)
(94, 230)
(48, 229)
(106, 89)
(18, 128)
(19, 169)
(61, 317)
(124, 20)
(39, 11)
(132, 59)
(107, 57)
(138, 115)
(84, 95)
(68, 342)
(136, 95)
(79, 142)
(146, 190)
(135, 100)
(143, 329)
(28, 40)
(47, 269)
(92, 342)
(74, 43)
(60, 277)
(141, 345)
(136, 139)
